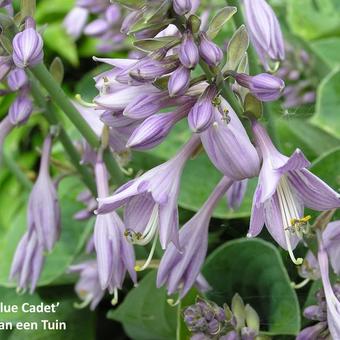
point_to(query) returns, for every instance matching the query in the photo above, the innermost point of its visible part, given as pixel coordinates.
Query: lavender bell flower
(27, 47)
(75, 22)
(156, 128)
(115, 255)
(265, 32)
(228, 146)
(16, 79)
(179, 270)
(20, 109)
(88, 286)
(179, 81)
(235, 194)
(202, 115)
(331, 239)
(333, 302)
(285, 186)
(27, 262)
(209, 51)
(264, 86)
(181, 7)
(5, 128)
(5, 66)
(151, 201)
(43, 213)
(188, 52)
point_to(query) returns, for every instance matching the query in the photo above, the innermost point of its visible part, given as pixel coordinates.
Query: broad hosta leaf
(328, 104)
(79, 323)
(145, 313)
(254, 269)
(314, 19)
(73, 237)
(221, 17)
(57, 40)
(328, 50)
(48, 10)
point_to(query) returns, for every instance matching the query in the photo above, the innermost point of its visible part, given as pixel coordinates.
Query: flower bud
(75, 21)
(209, 51)
(97, 27)
(5, 66)
(182, 7)
(20, 110)
(16, 79)
(113, 14)
(188, 52)
(263, 86)
(201, 115)
(27, 48)
(252, 319)
(179, 81)
(237, 306)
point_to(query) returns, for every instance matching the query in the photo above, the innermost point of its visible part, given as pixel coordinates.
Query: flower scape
(172, 165)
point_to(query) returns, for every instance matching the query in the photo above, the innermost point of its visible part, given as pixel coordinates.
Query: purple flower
(156, 128)
(264, 86)
(5, 66)
(179, 270)
(264, 31)
(115, 254)
(285, 186)
(331, 239)
(5, 128)
(151, 200)
(27, 262)
(20, 109)
(228, 146)
(332, 300)
(181, 7)
(88, 287)
(27, 48)
(16, 79)
(202, 115)
(43, 213)
(235, 194)
(312, 332)
(75, 22)
(97, 27)
(188, 52)
(209, 51)
(86, 198)
(179, 81)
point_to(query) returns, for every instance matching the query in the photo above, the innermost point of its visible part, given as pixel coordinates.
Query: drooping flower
(236, 193)
(115, 254)
(178, 270)
(151, 201)
(202, 114)
(265, 32)
(27, 262)
(27, 47)
(179, 81)
(228, 146)
(75, 21)
(264, 86)
(209, 51)
(88, 286)
(43, 213)
(21, 109)
(331, 240)
(285, 186)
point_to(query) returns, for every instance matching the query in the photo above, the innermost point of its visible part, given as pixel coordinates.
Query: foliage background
(256, 269)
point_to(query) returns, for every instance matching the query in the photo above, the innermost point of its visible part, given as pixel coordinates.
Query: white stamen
(86, 302)
(81, 101)
(289, 212)
(299, 285)
(148, 260)
(173, 303)
(150, 229)
(114, 301)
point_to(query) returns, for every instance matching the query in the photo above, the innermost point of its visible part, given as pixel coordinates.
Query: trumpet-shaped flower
(285, 186)
(179, 270)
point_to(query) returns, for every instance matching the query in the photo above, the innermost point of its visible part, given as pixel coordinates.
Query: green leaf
(59, 41)
(153, 44)
(328, 50)
(313, 19)
(254, 269)
(218, 21)
(145, 313)
(328, 104)
(48, 11)
(73, 237)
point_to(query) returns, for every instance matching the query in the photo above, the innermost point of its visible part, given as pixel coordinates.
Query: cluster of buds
(206, 320)
(106, 26)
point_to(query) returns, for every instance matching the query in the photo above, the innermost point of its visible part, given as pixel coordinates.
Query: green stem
(73, 154)
(47, 81)
(17, 172)
(41, 73)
